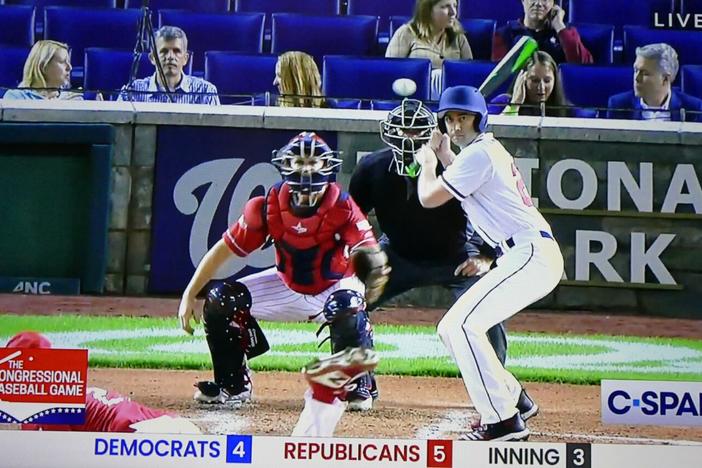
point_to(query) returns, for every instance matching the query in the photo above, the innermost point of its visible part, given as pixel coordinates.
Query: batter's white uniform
(486, 181)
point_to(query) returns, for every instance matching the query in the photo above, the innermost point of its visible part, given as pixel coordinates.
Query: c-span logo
(646, 402)
(43, 386)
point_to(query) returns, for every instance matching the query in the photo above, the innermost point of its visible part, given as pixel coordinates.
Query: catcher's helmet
(343, 302)
(307, 164)
(406, 128)
(463, 99)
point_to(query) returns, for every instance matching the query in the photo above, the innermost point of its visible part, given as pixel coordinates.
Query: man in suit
(653, 97)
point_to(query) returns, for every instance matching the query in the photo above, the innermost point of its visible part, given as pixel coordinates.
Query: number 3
(579, 457)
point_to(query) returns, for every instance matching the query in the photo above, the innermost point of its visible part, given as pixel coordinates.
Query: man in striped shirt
(172, 53)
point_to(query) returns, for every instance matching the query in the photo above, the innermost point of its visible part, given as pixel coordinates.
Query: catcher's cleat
(329, 376)
(212, 393)
(512, 429)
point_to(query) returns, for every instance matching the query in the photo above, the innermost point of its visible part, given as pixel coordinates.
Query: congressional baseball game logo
(43, 386)
(650, 402)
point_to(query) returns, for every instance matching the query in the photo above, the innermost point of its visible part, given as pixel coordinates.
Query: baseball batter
(320, 238)
(484, 178)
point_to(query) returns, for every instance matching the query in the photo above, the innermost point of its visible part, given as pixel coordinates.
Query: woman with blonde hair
(47, 71)
(434, 32)
(298, 81)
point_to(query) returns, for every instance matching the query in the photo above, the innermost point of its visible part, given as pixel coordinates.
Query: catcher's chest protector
(318, 231)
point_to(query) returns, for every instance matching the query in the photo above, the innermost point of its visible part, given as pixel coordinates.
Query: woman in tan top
(434, 32)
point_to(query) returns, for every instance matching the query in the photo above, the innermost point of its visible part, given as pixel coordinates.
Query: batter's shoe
(526, 406)
(512, 429)
(329, 377)
(209, 392)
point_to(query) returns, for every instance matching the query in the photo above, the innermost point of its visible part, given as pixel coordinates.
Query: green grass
(539, 356)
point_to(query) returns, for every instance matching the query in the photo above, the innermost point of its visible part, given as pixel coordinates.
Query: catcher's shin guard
(231, 333)
(350, 327)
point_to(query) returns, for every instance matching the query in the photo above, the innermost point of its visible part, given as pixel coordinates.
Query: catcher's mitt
(371, 266)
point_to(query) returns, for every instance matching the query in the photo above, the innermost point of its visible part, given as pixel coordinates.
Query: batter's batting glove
(332, 376)
(371, 266)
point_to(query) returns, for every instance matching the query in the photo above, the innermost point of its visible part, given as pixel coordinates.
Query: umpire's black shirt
(415, 233)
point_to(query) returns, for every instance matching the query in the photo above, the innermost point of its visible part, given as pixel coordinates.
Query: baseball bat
(513, 61)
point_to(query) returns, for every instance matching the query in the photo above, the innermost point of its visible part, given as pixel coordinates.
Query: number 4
(239, 449)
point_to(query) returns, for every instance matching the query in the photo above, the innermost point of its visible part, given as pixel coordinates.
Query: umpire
(425, 247)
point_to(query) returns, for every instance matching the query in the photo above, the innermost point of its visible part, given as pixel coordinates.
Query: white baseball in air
(404, 87)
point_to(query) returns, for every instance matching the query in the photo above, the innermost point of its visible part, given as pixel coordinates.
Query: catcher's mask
(406, 128)
(307, 164)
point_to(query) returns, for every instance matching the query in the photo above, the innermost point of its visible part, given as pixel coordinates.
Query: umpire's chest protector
(309, 250)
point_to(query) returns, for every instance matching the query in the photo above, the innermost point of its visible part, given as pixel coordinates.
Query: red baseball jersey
(105, 411)
(312, 252)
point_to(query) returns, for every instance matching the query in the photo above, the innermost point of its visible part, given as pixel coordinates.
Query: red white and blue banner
(43, 386)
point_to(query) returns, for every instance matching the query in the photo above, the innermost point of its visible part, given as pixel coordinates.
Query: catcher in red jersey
(323, 243)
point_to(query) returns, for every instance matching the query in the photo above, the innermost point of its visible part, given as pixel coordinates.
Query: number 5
(439, 453)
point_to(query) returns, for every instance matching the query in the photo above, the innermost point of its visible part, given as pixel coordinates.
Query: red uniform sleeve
(358, 231)
(249, 232)
(574, 49)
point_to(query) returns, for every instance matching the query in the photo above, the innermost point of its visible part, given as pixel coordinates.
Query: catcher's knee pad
(348, 321)
(231, 331)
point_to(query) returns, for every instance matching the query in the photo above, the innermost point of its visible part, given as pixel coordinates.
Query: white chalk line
(220, 420)
(458, 421)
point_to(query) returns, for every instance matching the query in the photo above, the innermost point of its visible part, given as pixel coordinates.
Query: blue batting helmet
(463, 99)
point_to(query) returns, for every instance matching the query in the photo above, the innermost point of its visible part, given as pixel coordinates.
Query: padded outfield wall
(624, 198)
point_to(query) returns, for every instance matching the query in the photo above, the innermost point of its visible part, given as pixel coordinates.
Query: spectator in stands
(545, 22)
(434, 32)
(653, 97)
(539, 82)
(172, 53)
(298, 81)
(46, 74)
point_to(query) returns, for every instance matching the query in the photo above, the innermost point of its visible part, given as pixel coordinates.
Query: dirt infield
(409, 407)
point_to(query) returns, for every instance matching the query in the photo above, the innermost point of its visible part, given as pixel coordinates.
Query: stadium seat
(241, 74)
(469, 72)
(592, 85)
(11, 65)
(480, 33)
(17, 25)
(332, 35)
(384, 9)
(317, 7)
(692, 80)
(204, 6)
(396, 21)
(372, 78)
(599, 40)
(688, 44)
(107, 70)
(499, 10)
(616, 12)
(690, 6)
(40, 4)
(90, 27)
(241, 32)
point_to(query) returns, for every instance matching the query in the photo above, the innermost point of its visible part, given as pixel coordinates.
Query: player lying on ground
(314, 225)
(485, 179)
(329, 380)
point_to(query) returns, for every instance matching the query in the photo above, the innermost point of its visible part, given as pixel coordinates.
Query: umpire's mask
(406, 128)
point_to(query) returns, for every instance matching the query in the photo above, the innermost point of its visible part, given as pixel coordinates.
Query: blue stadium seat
(396, 21)
(690, 6)
(108, 70)
(469, 72)
(692, 80)
(11, 65)
(599, 40)
(40, 4)
(241, 74)
(688, 44)
(90, 27)
(372, 78)
(480, 33)
(317, 7)
(592, 85)
(17, 25)
(499, 10)
(384, 9)
(616, 12)
(324, 35)
(204, 6)
(242, 32)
